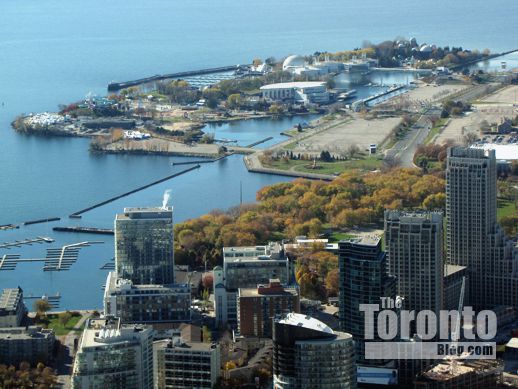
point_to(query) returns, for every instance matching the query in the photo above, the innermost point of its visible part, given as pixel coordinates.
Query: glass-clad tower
(308, 354)
(144, 245)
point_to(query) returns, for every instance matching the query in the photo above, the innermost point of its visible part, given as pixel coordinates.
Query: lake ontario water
(55, 52)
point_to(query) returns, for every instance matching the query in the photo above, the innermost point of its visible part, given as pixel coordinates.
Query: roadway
(405, 149)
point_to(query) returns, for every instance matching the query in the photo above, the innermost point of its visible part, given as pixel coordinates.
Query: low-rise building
(12, 308)
(26, 344)
(308, 92)
(179, 364)
(146, 303)
(246, 267)
(115, 356)
(256, 307)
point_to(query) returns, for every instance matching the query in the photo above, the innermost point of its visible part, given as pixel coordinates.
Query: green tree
(332, 282)
(234, 101)
(42, 306)
(64, 318)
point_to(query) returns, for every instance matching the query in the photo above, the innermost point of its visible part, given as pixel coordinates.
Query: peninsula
(167, 115)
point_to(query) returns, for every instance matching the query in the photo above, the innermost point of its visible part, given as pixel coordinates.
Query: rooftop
(115, 284)
(178, 344)
(253, 253)
(503, 152)
(109, 330)
(366, 240)
(444, 371)
(24, 333)
(146, 213)
(294, 85)
(300, 320)
(10, 298)
(265, 290)
(414, 216)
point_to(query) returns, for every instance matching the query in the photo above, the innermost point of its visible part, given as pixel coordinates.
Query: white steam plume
(166, 198)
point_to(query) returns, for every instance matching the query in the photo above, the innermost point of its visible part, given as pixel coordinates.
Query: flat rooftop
(10, 298)
(253, 253)
(414, 216)
(444, 372)
(115, 284)
(145, 213)
(22, 333)
(109, 330)
(365, 240)
(503, 152)
(254, 292)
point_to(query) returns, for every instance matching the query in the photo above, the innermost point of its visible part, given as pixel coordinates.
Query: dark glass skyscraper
(364, 279)
(144, 245)
(414, 246)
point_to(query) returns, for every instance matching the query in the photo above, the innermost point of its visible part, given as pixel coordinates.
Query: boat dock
(114, 86)
(357, 105)
(53, 300)
(57, 259)
(19, 243)
(75, 214)
(86, 230)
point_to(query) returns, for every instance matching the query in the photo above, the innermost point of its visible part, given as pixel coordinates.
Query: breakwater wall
(75, 214)
(259, 142)
(114, 86)
(489, 57)
(49, 219)
(88, 230)
(202, 161)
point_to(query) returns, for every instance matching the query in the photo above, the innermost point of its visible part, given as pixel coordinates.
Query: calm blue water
(55, 52)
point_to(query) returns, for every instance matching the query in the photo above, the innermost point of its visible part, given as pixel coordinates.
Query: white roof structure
(299, 320)
(294, 85)
(293, 61)
(513, 343)
(503, 152)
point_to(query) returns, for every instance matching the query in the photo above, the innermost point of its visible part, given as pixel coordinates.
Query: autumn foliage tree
(304, 207)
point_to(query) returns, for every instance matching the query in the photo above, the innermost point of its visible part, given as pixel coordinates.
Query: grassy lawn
(505, 208)
(368, 163)
(435, 130)
(337, 236)
(61, 329)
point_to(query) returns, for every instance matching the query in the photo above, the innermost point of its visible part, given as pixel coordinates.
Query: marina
(115, 86)
(57, 259)
(19, 243)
